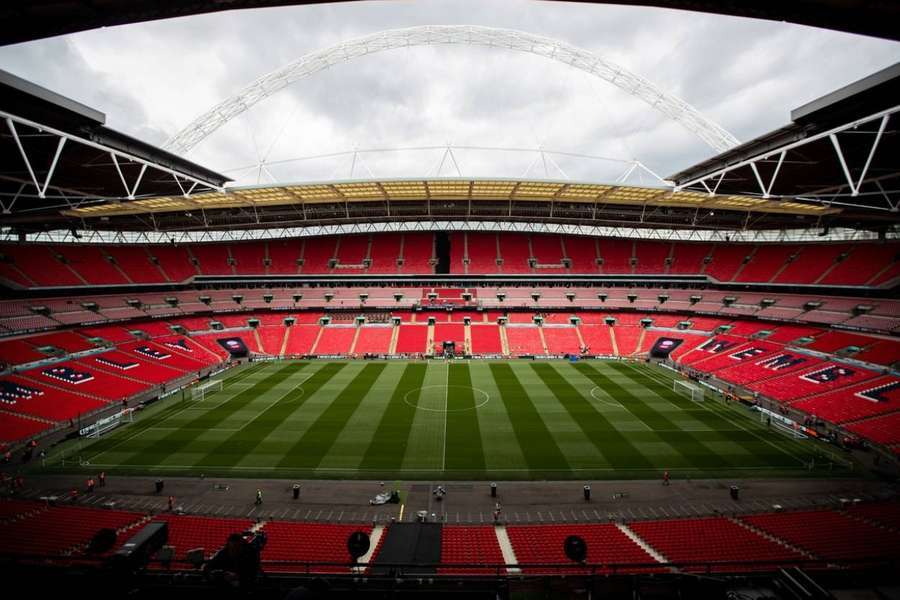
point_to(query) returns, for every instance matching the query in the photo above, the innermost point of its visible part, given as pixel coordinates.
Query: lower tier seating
(715, 539)
(607, 545)
(524, 340)
(472, 545)
(309, 542)
(829, 535)
(57, 530)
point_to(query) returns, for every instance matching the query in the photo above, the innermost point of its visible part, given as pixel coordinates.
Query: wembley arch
(669, 105)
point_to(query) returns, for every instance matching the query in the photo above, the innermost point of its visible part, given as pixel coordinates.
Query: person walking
(258, 496)
(665, 478)
(102, 478)
(171, 503)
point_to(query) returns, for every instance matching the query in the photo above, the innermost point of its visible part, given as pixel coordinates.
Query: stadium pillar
(493, 490)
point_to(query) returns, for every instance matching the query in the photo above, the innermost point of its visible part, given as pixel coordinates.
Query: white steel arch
(472, 35)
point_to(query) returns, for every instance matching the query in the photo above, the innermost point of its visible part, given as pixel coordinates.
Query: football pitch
(457, 420)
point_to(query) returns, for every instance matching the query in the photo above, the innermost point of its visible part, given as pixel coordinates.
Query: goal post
(686, 388)
(200, 391)
(98, 428)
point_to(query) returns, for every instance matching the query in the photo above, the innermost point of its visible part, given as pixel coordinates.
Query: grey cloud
(745, 74)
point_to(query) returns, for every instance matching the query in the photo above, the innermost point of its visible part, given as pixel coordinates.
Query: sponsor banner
(234, 346)
(664, 346)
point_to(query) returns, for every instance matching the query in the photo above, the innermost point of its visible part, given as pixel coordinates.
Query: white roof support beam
(667, 235)
(117, 156)
(832, 134)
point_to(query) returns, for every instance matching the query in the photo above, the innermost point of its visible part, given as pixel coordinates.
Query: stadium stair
(640, 344)
(312, 349)
(543, 340)
(395, 333)
(656, 554)
(284, 341)
(429, 344)
(509, 554)
(612, 338)
(352, 350)
(467, 339)
(772, 538)
(257, 338)
(504, 342)
(581, 343)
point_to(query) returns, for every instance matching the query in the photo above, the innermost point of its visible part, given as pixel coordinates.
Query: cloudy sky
(152, 79)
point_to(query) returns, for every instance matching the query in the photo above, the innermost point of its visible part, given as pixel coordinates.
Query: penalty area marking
(487, 398)
(606, 401)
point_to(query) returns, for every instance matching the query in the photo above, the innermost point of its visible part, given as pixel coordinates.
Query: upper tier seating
(41, 265)
(135, 263)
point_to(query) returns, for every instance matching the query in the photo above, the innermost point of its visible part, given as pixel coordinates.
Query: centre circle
(486, 397)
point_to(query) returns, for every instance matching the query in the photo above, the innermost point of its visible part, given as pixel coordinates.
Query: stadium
(628, 386)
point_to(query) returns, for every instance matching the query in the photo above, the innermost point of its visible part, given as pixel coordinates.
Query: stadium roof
(26, 20)
(63, 169)
(57, 153)
(471, 199)
(841, 150)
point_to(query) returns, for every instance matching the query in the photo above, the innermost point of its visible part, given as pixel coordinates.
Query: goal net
(688, 389)
(201, 391)
(782, 425)
(98, 428)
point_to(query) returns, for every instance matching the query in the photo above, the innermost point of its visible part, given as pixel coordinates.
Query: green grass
(464, 420)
